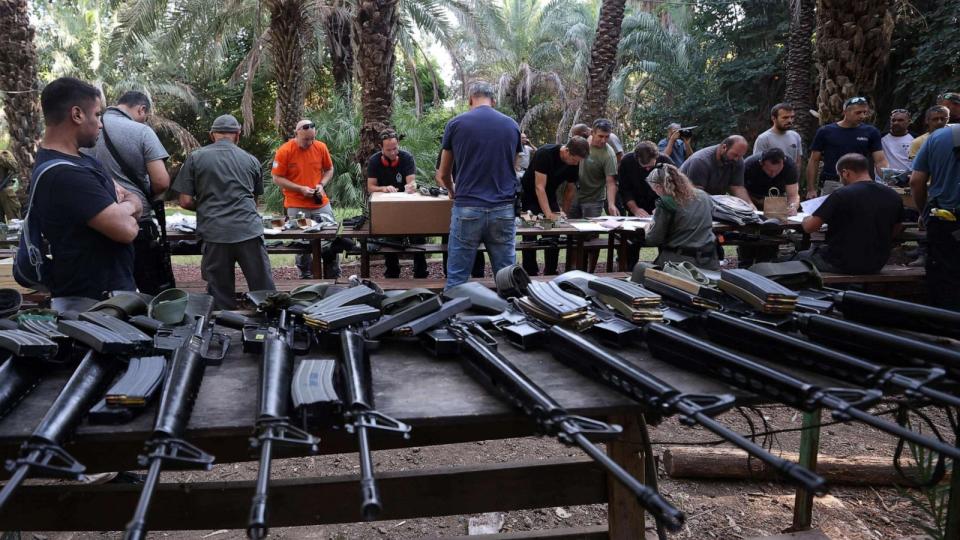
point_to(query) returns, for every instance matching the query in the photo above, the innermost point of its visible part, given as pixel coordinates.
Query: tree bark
(853, 44)
(289, 28)
(375, 35)
(603, 59)
(19, 85)
(799, 92)
(340, 45)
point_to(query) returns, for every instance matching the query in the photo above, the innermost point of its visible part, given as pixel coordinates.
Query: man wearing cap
(675, 146)
(849, 135)
(302, 167)
(939, 162)
(935, 118)
(951, 100)
(221, 183)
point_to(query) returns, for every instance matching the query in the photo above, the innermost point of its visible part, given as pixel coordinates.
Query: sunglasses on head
(899, 111)
(854, 101)
(949, 96)
(308, 126)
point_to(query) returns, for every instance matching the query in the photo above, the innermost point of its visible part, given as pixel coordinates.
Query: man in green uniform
(597, 186)
(8, 187)
(221, 182)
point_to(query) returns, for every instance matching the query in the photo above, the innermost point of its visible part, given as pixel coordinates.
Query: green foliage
(929, 44)
(932, 501)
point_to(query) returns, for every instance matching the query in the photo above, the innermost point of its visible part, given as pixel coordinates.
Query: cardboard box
(409, 213)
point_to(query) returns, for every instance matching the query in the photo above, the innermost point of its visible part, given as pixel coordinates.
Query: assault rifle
(494, 371)
(873, 309)
(280, 342)
(166, 445)
(28, 355)
(43, 451)
(786, 349)
(845, 403)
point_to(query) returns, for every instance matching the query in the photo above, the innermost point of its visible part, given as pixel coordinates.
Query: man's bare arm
(879, 161)
(288, 185)
(811, 224)
(159, 177)
(813, 169)
(612, 196)
(742, 193)
(116, 222)
(187, 202)
(918, 188)
(444, 174)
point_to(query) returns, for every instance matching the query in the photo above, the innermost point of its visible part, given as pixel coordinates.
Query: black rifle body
(614, 371)
(499, 374)
(784, 348)
(694, 353)
(873, 309)
(17, 379)
(273, 426)
(166, 444)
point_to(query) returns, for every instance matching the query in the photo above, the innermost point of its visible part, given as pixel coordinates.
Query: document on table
(586, 226)
(810, 206)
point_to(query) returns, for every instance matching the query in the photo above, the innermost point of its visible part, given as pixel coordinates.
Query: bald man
(301, 168)
(719, 168)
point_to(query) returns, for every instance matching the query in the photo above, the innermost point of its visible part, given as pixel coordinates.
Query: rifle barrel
(257, 525)
(369, 491)
(137, 527)
(14, 482)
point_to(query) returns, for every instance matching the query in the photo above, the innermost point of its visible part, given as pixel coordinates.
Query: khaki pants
(10, 203)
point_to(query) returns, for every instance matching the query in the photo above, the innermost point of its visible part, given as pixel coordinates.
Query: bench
(901, 282)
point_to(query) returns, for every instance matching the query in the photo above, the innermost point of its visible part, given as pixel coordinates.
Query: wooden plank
(625, 515)
(595, 532)
(311, 501)
(812, 534)
(889, 274)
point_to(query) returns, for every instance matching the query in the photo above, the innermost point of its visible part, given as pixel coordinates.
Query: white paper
(810, 206)
(583, 226)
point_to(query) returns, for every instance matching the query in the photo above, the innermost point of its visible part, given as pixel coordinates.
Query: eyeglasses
(308, 126)
(854, 101)
(949, 96)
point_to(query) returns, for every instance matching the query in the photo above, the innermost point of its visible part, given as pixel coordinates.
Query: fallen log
(733, 464)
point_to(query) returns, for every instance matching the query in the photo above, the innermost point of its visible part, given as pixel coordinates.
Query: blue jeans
(471, 225)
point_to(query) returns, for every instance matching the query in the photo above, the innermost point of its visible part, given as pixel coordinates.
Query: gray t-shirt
(709, 174)
(789, 142)
(137, 145)
(601, 162)
(225, 182)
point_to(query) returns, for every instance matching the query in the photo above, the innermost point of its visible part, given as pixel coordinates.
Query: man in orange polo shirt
(301, 168)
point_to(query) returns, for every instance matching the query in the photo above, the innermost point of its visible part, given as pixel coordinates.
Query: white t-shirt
(789, 142)
(896, 150)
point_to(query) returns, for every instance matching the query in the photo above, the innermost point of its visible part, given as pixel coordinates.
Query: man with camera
(133, 155)
(677, 145)
(392, 170)
(302, 167)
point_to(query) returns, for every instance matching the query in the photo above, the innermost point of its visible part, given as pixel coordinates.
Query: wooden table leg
(625, 517)
(316, 264)
(809, 448)
(622, 253)
(571, 260)
(611, 241)
(581, 254)
(364, 259)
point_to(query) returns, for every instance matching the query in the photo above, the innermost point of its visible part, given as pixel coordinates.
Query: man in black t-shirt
(849, 135)
(862, 218)
(772, 169)
(89, 221)
(551, 166)
(393, 170)
(635, 166)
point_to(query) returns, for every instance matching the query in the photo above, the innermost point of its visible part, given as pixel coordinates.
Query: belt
(692, 252)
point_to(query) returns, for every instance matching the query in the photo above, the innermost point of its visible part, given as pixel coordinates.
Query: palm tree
(19, 84)
(603, 57)
(375, 27)
(290, 23)
(853, 44)
(799, 91)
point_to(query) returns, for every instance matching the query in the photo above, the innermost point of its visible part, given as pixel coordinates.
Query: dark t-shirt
(834, 142)
(546, 160)
(633, 182)
(860, 219)
(758, 183)
(85, 262)
(484, 143)
(391, 176)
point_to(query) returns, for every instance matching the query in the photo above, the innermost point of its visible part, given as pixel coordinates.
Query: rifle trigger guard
(178, 452)
(52, 461)
(378, 420)
(588, 427)
(214, 348)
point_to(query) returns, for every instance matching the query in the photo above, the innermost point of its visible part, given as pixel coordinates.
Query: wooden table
(441, 402)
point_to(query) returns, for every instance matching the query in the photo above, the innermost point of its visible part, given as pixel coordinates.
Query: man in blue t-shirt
(89, 221)
(482, 144)
(939, 162)
(848, 136)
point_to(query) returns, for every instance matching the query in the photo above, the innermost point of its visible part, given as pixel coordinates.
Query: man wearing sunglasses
(848, 136)
(301, 167)
(896, 144)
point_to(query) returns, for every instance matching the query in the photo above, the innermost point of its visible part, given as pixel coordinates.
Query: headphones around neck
(391, 162)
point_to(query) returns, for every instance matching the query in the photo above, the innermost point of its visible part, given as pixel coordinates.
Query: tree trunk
(799, 90)
(375, 35)
(603, 58)
(19, 83)
(338, 32)
(289, 28)
(853, 43)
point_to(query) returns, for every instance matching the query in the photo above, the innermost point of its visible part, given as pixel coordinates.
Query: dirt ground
(720, 510)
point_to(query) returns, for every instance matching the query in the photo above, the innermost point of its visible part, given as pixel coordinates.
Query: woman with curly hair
(682, 220)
